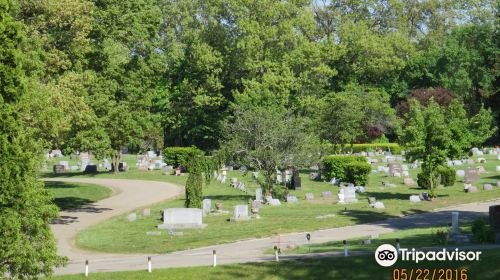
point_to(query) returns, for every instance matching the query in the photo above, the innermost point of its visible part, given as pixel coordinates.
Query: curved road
(127, 196)
(133, 194)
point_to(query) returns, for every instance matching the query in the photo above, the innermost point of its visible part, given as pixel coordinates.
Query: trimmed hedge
(448, 176)
(358, 148)
(335, 166)
(357, 173)
(179, 156)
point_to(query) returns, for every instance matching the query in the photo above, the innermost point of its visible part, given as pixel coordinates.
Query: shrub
(441, 236)
(279, 192)
(448, 175)
(482, 233)
(179, 156)
(357, 173)
(335, 166)
(424, 182)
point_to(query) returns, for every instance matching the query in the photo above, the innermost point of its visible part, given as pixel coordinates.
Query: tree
(433, 134)
(127, 66)
(427, 137)
(357, 114)
(28, 248)
(269, 138)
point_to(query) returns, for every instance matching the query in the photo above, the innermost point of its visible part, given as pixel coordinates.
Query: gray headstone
(182, 218)
(487, 187)
(326, 194)
(146, 212)
(454, 222)
(471, 175)
(291, 199)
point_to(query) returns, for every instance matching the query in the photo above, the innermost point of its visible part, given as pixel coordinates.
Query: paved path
(132, 194)
(127, 196)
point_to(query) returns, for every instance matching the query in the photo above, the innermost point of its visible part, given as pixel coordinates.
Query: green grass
(73, 195)
(355, 268)
(119, 235)
(410, 238)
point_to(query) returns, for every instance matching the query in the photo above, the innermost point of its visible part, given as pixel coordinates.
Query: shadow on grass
(216, 198)
(70, 174)
(354, 267)
(71, 202)
(400, 196)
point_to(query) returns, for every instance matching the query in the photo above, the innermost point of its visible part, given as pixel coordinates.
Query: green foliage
(335, 166)
(482, 233)
(180, 156)
(357, 173)
(423, 180)
(440, 236)
(280, 192)
(194, 191)
(28, 248)
(267, 138)
(448, 175)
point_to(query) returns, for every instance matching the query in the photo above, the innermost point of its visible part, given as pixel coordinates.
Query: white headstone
(291, 199)
(274, 202)
(258, 194)
(460, 173)
(240, 212)
(378, 205)
(347, 195)
(132, 217)
(414, 198)
(182, 218)
(207, 206)
(309, 196)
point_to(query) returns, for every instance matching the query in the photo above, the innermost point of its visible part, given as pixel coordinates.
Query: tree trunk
(116, 161)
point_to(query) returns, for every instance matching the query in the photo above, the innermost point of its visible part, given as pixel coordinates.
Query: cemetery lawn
(355, 268)
(73, 195)
(410, 238)
(118, 235)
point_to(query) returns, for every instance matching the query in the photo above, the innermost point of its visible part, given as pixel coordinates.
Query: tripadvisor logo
(386, 255)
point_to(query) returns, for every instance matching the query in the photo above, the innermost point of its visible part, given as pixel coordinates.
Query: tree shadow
(48, 175)
(71, 202)
(400, 196)
(242, 196)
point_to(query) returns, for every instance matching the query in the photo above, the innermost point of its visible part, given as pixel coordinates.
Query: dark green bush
(335, 166)
(424, 182)
(482, 233)
(279, 192)
(448, 175)
(179, 156)
(357, 173)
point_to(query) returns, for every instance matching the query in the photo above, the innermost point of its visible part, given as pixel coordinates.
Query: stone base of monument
(178, 226)
(459, 238)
